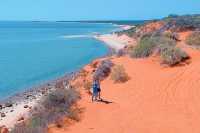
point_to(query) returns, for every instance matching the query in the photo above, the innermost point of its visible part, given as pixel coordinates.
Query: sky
(52, 10)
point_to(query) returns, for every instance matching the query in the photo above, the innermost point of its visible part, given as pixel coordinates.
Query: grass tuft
(118, 74)
(193, 39)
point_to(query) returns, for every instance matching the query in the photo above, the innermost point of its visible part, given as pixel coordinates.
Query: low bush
(53, 107)
(193, 39)
(144, 48)
(172, 55)
(87, 85)
(26, 128)
(60, 99)
(118, 74)
(121, 52)
(74, 113)
(148, 44)
(103, 70)
(165, 46)
(183, 23)
(171, 35)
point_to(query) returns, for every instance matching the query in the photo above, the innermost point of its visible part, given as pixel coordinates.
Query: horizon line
(100, 20)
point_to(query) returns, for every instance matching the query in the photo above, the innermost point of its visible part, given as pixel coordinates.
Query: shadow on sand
(104, 101)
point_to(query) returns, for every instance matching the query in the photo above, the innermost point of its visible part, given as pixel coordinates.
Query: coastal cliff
(150, 85)
(157, 97)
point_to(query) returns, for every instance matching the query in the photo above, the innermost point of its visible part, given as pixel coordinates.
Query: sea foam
(75, 36)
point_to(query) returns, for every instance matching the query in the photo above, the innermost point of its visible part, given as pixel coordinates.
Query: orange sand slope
(156, 99)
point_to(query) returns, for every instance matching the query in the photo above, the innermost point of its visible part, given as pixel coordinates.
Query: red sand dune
(152, 26)
(156, 99)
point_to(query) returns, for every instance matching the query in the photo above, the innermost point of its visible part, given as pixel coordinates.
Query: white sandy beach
(114, 41)
(127, 27)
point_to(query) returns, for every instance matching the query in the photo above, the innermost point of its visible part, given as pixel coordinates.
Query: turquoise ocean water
(34, 52)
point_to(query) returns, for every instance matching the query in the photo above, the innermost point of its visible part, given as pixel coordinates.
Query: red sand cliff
(156, 99)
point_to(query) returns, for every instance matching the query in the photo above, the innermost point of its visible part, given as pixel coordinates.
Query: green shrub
(183, 23)
(144, 48)
(118, 74)
(193, 39)
(171, 55)
(148, 44)
(165, 47)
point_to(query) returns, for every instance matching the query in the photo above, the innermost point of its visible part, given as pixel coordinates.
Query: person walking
(99, 90)
(94, 90)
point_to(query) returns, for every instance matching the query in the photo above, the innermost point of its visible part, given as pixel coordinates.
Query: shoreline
(115, 41)
(109, 41)
(21, 103)
(44, 83)
(16, 108)
(37, 87)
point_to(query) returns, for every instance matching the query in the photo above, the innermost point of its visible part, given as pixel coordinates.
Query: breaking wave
(76, 36)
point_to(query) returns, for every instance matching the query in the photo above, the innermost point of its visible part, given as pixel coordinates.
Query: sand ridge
(156, 99)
